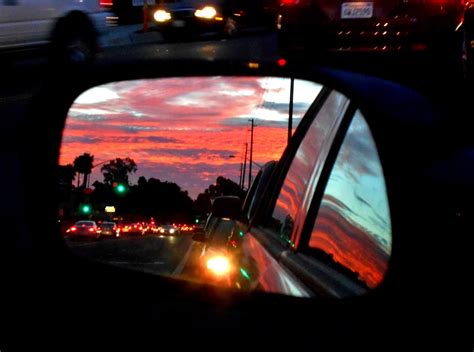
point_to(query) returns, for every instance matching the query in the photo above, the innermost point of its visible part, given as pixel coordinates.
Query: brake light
(106, 3)
(73, 229)
(289, 2)
(91, 229)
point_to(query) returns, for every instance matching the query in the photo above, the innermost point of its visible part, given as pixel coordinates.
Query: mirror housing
(227, 207)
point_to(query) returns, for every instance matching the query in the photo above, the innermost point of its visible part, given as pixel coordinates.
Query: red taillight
(73, 229)
(289, 2)
(106, 3)
(91, 229)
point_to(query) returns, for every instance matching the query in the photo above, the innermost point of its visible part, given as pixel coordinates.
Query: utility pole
(245, 166)
(251, 153)
(290, 112)
(145, 16)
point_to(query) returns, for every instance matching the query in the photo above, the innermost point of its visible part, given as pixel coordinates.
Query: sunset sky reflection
(183, 130)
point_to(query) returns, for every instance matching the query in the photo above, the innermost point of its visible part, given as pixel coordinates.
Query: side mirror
(227, 207)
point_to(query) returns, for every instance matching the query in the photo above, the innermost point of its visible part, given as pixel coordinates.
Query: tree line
(163, 200)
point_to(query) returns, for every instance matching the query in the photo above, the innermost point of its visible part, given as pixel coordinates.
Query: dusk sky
(183, 130)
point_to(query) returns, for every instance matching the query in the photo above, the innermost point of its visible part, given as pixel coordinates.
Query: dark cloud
(189, 152)
(84, 140)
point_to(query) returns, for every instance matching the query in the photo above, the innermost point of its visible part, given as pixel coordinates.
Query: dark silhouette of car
(227, 17)
(168, 230)
(109, 228)
(84, 229)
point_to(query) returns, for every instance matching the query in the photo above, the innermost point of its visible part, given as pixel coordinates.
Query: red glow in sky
(183, 130)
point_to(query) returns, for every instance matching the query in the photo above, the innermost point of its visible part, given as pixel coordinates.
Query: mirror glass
(141, 162)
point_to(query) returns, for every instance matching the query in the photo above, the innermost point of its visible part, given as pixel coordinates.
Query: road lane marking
(181, 265)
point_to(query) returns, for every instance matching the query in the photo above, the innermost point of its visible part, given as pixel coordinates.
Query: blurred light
(254, 65)
(244, 273)
(91, 229)
(110, 209)
(161, 16)
(172, 230)
(219, 18)
(73, 229)
(208, 12)
(241, 233)
(289, 2)
(282, 62)
(218, 265)
(120, 188)
(106, 3)
(86, 209)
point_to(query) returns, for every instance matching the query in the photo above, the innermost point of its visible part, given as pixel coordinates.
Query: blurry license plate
(178, 23)
(357, 10)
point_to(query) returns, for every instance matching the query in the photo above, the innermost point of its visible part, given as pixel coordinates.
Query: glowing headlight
(218, 265)
(161, 16)
(207, 12)
(172, 230)
(162, 230)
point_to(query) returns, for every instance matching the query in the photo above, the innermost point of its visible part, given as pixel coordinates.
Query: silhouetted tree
(117, 170)
(83, 165)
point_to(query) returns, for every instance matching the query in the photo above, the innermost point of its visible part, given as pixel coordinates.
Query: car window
(86, 223)
(353, 224)
(300, 182)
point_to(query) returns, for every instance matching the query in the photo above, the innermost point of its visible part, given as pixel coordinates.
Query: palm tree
(83, 165)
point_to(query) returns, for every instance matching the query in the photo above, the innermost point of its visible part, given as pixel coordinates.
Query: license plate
(357, 10)
(178, 23)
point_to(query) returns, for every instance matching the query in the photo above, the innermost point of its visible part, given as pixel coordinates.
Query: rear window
(85, 223)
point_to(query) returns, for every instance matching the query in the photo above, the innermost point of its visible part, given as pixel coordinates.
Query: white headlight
(171, 230)
(161, 16)
(218, 265)
(206, 12)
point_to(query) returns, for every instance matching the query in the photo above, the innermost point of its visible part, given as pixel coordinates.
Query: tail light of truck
(106, 3)
(289, 2)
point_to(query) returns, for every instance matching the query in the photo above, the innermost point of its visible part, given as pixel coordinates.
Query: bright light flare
(208, 12)
(161, 16)
(218, 265)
